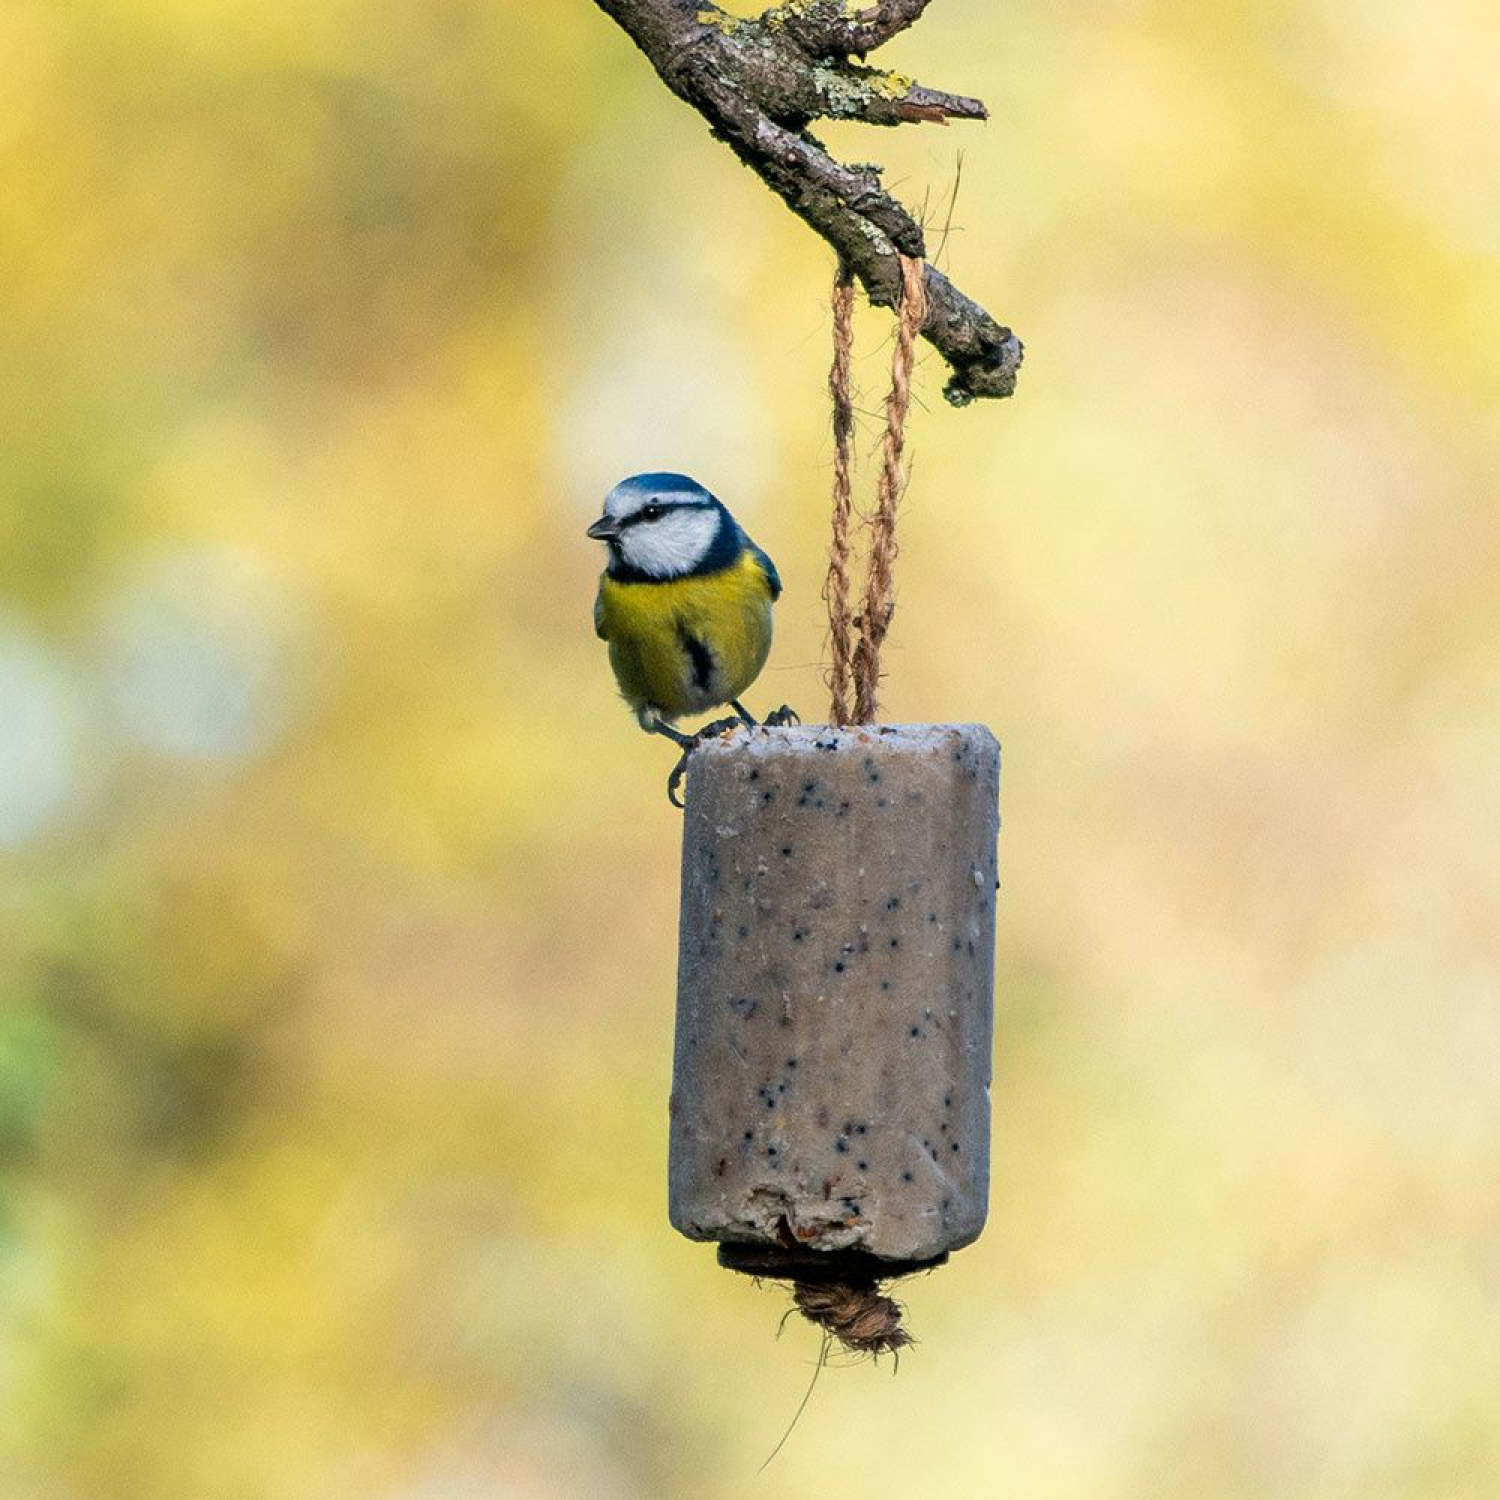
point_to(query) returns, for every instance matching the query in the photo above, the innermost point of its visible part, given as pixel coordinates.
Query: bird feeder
(830, 1104)
(830, 1096)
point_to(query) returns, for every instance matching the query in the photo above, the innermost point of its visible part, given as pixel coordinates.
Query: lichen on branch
(761, 81)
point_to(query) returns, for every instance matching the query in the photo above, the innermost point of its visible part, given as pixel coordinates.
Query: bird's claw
(708, 732)
(718, 727)
(783, 717)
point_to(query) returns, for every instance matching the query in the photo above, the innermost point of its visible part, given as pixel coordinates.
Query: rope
(859, 660)
(880, 592)
(836, 589)
(856, 1314)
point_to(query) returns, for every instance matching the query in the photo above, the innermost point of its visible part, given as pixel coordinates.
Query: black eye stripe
(659, 508)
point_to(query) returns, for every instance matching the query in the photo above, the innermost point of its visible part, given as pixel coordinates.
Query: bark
(761, 82)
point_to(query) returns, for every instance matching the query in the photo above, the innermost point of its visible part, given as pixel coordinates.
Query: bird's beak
(604, 530)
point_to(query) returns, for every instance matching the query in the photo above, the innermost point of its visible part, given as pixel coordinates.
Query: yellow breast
(683, 646)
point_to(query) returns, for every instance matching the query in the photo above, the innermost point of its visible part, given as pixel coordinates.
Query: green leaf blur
(337, 935)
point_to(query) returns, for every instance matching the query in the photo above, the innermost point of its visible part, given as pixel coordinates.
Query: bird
(684, 604)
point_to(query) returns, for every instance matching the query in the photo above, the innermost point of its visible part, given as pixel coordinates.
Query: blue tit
(684, 601)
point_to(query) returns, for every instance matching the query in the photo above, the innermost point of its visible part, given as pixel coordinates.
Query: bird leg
(782, 717)
(689, 743)
(684, 741)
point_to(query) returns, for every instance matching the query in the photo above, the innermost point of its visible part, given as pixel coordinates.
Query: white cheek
(672, 545)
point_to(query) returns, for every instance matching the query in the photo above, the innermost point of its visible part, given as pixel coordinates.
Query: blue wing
(773, 578)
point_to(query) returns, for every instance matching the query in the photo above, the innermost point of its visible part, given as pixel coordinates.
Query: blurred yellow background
(337, 940)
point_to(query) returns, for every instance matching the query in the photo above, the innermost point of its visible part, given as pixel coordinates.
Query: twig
(761, 81)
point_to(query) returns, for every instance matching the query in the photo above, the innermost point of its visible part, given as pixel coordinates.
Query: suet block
(835, 992)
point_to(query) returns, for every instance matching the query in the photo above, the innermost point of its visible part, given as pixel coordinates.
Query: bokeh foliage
(337, 934)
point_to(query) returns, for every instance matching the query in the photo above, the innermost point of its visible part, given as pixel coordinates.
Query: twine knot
(856, 1314)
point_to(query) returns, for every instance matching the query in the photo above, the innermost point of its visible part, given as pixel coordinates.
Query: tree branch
(760, 82)
(827, 27)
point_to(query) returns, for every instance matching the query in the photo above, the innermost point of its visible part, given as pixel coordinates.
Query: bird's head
(661, 526)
